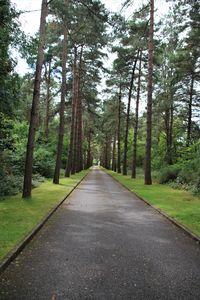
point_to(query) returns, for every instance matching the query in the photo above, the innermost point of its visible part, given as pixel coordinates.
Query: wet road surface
(105, 244)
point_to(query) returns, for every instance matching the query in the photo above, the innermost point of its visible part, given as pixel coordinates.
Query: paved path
(105, 244)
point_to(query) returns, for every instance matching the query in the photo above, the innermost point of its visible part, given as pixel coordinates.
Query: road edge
(18, 249)
(174, 221)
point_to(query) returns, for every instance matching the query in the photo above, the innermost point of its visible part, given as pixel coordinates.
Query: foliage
(169, 173)
(44, 162)
(186, 173)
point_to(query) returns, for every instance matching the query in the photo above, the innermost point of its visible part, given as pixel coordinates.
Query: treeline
(166, 135)
(54, 123)
(54, 105)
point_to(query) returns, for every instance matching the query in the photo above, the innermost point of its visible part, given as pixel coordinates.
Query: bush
(10, 185)
(37, 179)
(44, 163)
(169, 173)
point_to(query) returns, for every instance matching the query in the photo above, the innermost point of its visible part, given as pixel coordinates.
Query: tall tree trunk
(147, 175)
(114, 154)
(168, 119)
(48, 99)
(136, 120)
(89, 150)
(128, 116)
(171, 131)
(62, 105)
(75, 152)
(35, 103)
(72, 132)
(170, 135)
(167, 128)
(189, 126)
(75, 104)
(85, 160)
(119, 131)
(106, 153)
(79, 117)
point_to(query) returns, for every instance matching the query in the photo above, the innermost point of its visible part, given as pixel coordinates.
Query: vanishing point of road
(104, 243)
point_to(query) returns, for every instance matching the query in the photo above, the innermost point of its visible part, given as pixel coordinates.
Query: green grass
(18, 217)
(178, 204)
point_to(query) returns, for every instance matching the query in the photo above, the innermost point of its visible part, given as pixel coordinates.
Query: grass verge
(18, 217)
(178, 204)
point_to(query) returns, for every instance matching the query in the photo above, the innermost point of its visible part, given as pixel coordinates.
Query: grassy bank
(178, 204)
(18, 217)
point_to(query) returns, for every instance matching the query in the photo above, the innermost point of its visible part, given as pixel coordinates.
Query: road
(105, 244)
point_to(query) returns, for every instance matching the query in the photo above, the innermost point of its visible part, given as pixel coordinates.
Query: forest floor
(18, 217)
(178, 204)
(105, 243)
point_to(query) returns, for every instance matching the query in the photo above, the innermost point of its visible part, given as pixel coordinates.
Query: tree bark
(147, 175)
(79, 117)
(72, 132)
(35, 103)
(48, 99)
(114, 154)
(75, 151)
(75, 122)
(89, 150)
(62, 105)
(133, 175)
(128, 116)
(119, 132)
(171, 131)
(168, 119)
(189, 126)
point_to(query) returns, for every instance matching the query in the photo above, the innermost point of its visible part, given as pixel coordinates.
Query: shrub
(10, 185)
(44, 163)
(37, 179)
(169, 173)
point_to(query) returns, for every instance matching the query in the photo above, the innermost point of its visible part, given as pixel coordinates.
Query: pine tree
(148, 179)
(35, 103)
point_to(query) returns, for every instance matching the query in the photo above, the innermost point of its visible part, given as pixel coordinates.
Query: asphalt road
(105, 244)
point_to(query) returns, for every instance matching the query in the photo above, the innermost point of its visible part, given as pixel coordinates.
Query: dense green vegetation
(178, 204)
(40, 135)
(175, 126)
(18, 218)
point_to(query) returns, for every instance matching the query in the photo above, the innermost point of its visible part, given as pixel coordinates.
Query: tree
(80, 118)
(70, 161)
(48, 94)
(133, 175)
(84, 62)
(128, 115)
(62, 102)
(119, 130)
(148, 179)
(34, 110)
